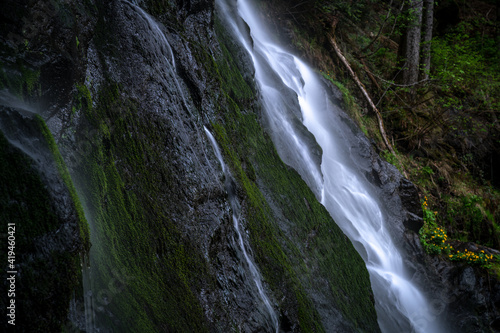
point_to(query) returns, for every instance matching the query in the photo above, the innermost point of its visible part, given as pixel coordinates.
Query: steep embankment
(126, 95)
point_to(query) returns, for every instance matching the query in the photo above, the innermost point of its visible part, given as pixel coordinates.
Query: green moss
(232, 80)
(132, 228)
(20, 79)
(83, 97)
(30, 79)
(276, 266)
(470, 220)
(278, 257)
(63, 171)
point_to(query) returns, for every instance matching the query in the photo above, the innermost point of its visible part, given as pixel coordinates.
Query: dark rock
(410, 200)
(48, 245)
(126, 91)
(463, 298)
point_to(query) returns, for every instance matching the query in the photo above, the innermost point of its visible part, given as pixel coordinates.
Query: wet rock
(462, 297)
(36, 201)
(149, 88)
(410, 200)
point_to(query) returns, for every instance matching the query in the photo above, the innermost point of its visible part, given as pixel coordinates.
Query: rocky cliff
(125, 89)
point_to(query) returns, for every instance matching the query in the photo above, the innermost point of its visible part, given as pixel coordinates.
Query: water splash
(337, 181)
(235, 206)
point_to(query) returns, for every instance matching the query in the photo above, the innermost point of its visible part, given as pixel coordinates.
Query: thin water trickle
(88, 298)
(336, 180)
(160, 35)
(165, 62)
(255, 275)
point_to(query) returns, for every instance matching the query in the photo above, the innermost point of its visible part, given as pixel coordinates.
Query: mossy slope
(123, 177)
(49, 239)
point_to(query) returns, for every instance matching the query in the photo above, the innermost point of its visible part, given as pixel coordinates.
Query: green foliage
(389, 157)
(435, 241)
(466, 64)
(426, 170)
(472, 220)
(432, 236)
(352, 10)
(395, 160)
(455, 60)
(479, 258)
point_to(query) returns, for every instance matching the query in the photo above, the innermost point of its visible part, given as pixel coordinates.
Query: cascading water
(255, 275)
(338, 181)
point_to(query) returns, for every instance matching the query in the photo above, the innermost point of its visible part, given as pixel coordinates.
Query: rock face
(44, 237)
(126, 88)
(463, 298)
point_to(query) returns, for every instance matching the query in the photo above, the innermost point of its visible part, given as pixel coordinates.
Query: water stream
(337, 180)
(235, 207)
(164, 50)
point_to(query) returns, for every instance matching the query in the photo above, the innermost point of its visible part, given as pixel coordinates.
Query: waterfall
(101, 275)
(254, 273)
(337, 180)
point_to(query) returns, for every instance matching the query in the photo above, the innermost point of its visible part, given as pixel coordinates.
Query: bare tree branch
(367, 97)
(379, 30)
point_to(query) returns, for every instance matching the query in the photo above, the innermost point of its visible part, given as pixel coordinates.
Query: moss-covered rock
(46, 225)
(126, 96)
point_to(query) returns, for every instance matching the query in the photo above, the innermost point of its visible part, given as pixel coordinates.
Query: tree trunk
(368, 99)
(498, 25)
(411, 52)
(426, 39)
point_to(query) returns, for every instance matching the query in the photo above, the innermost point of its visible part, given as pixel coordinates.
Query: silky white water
(292, 93)
(255, 275)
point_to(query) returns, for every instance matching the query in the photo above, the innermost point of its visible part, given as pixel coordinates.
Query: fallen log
(367, 97)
